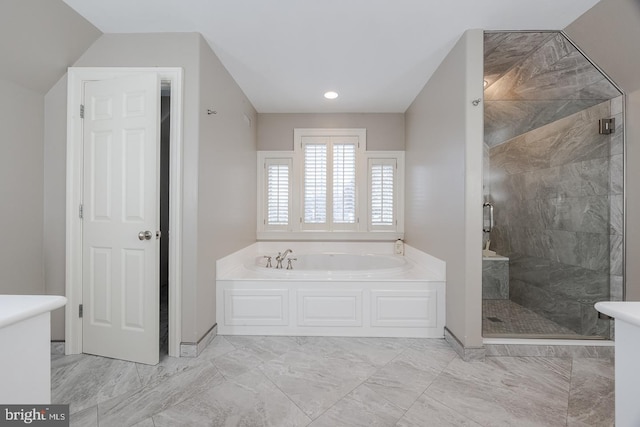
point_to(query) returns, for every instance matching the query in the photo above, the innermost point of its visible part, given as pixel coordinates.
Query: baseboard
(468, 354)
(193, 349)
(57, 347)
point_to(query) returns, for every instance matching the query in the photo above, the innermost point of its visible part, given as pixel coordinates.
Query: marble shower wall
(536, 78)
(557, 192)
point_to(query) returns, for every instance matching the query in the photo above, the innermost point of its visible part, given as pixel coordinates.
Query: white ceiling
(284, 54)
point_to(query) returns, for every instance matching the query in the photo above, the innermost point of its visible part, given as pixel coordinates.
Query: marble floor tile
(219, 346)
(405, 378)
(85, 418)
(591, 401)
(248, 400)
(138, 405)
(506, 391)
(145, 423)
(314, 382)
(360, 408)
(427, 412)
(168, 366)
(439, 352)
(374, 351)
(84, 380)
(292, 381)
(263, 347)
(236, 363)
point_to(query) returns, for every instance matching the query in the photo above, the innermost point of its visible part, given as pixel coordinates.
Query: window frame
(362, 229)
(303, 137)
(396, 158)
(264, 159)
(279, 161)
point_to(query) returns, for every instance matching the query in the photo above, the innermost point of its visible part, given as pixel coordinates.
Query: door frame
(75, 93)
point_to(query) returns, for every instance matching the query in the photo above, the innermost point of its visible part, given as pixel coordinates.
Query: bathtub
(333, 289)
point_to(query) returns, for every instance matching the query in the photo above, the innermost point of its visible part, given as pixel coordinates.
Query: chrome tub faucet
(281, 257)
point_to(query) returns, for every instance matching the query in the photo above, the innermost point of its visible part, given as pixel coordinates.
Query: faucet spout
(281, 257)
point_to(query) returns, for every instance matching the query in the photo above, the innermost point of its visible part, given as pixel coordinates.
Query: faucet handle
(268, 261)
(289, 266)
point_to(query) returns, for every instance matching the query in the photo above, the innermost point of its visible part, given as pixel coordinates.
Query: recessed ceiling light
(485, 83)
(331, 95)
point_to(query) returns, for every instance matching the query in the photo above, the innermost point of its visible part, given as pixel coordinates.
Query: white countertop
(629, 311)
(15, 308)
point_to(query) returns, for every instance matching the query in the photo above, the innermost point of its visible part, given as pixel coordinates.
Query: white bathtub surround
(396, 296)
(25, 359)
(627, 375)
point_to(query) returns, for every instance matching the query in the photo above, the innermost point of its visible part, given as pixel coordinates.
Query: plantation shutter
(278, 183)
(344, 183)
(382, 193)
(315, 183)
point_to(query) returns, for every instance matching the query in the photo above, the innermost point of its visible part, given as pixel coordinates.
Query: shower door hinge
(81, 211)
(607, 126)
(80, 311)
(81, 111)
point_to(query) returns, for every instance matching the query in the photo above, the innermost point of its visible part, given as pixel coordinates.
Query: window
(382, 194)
(278, 191)
(315, 183)
(344, 183)
(330, 183)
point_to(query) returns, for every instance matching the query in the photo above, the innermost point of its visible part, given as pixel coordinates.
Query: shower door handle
(490, 227)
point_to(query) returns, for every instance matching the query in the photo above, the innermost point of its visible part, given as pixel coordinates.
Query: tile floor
(324, 381)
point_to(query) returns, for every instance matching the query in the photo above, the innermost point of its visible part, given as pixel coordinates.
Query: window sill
(386, 236)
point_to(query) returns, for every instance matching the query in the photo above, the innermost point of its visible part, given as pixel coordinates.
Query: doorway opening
(165, 154)
(169, 189)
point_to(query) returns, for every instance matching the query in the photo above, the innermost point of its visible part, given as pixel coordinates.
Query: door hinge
(607, 126)
(81, 211)
(81, 111)
(80, 310)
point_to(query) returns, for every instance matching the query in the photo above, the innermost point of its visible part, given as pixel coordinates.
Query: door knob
(145, 235)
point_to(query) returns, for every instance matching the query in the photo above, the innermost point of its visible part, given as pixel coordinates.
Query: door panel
(120, 193)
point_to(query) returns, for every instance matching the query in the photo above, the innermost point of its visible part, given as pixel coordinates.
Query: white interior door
(120, 251)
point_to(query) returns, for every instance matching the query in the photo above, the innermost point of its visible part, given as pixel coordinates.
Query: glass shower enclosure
(553, 189)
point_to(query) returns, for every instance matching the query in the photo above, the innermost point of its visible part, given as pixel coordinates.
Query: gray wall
(443, 215)
(55, 173)
(632, 269)
(21, 189)
(609, 33)
(211, 151)
(226, 178)
(41, 38)
(384, 131)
